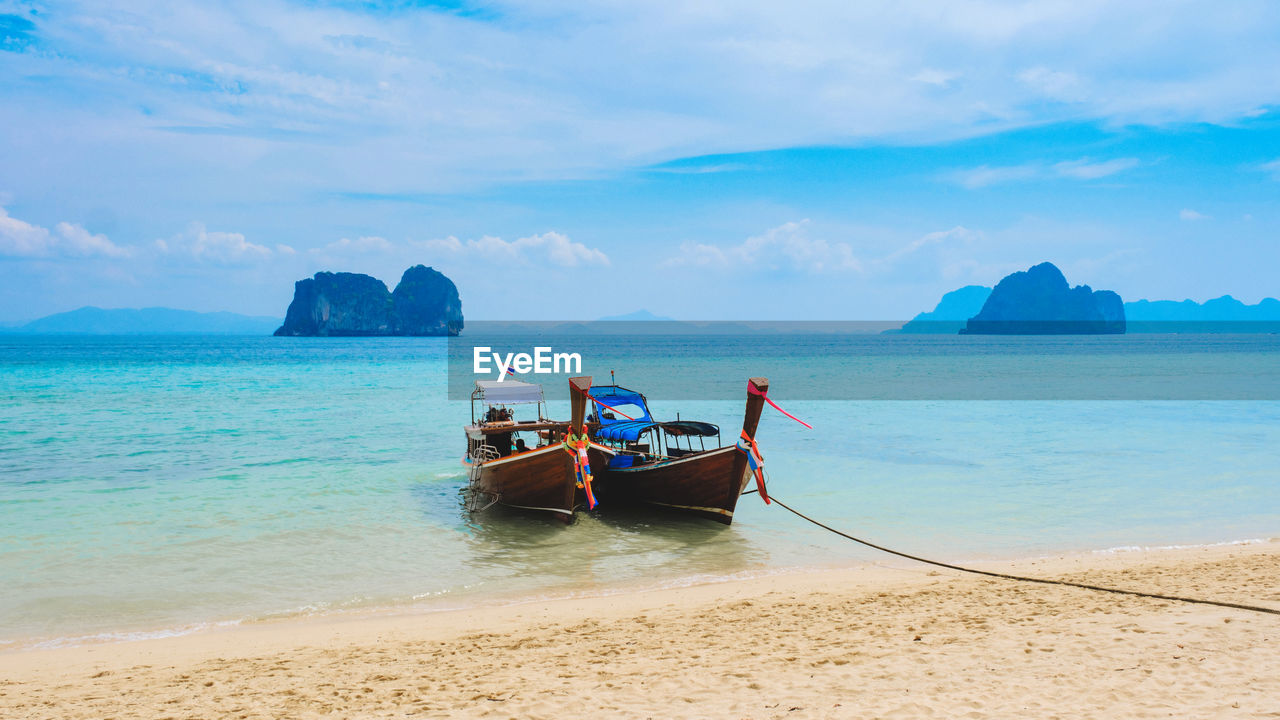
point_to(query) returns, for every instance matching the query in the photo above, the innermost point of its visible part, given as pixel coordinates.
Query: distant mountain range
(949, 316)
(952, 311)
(958, 306)
(1223, 309)
(637, 316)
(146, 321)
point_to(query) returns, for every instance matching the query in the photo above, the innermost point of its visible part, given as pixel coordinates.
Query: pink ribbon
(751, 388)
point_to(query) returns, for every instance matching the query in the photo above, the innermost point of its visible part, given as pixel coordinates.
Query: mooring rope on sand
(1023, 578)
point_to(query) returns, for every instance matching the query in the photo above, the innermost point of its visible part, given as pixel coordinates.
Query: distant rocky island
(1039, 301)
(951, 313)
(425, 303)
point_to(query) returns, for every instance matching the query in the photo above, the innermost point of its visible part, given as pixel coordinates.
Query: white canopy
(508, 392)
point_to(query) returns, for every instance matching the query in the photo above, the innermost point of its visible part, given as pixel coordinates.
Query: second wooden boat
(657, 464)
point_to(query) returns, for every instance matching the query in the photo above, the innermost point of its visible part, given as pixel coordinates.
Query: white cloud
(984, 175)
(22, 239)
(361, 245)
(1272, 168)
(1082, 169)
(1089, 269)
(785, 246)
(549, 247)
(1053, 84)
(791, 246)
(700, 169)
(405, 101)
(938, 78)
(1191, 215)
(78, 241)
(19, 238)
(958, 233)
(1086, 169)
(214, 247)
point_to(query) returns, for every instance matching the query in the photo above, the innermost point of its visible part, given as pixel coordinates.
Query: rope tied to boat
(1023, 578)
(747, 444)
(753, 390)
(576, 446)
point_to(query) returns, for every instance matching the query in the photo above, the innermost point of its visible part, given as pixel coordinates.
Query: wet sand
(869, 641)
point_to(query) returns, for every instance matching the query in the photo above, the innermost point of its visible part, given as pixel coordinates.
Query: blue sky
(557, 160)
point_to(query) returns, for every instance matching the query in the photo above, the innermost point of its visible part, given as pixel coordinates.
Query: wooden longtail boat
(525, 463)
(652, 468)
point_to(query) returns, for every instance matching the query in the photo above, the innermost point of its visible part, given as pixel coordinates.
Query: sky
(570, 160)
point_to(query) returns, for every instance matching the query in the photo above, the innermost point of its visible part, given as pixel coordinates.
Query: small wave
(446, 591)
(1149, 548)
(318, 608)
(120, 637)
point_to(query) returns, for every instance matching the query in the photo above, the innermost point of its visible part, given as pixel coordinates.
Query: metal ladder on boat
(481, 455)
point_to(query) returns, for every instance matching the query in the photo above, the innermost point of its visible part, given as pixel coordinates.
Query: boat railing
(483, 453)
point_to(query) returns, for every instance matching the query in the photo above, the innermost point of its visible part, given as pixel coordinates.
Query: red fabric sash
(751, 388)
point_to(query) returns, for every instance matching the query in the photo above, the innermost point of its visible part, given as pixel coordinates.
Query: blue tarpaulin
(615, 427)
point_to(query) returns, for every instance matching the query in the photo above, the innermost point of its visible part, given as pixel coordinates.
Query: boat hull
(706, 484)
(541, 479)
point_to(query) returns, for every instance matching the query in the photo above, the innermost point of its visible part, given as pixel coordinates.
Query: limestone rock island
(351, 305)
(1039, 301)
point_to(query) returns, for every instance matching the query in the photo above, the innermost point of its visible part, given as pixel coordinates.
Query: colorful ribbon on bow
(576, 446)
(748, 445)
(753, 390)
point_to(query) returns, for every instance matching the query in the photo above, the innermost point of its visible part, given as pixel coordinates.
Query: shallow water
(163, 483)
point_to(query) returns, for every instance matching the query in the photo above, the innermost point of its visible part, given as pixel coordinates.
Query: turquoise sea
(155, 485)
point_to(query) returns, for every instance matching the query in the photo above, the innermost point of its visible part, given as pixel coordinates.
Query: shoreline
(418, 606)
(851, 629)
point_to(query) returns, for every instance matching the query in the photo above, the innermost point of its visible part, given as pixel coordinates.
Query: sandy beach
(870, 641)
